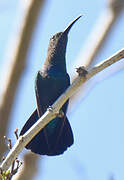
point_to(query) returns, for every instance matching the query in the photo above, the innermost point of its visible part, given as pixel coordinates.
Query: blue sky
(97, 121)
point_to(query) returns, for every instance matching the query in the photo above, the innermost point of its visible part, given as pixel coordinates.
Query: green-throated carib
(51, 81)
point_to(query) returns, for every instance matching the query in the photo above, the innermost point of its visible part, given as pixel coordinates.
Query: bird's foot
(82, 71)
(50, 108)
(60, 114)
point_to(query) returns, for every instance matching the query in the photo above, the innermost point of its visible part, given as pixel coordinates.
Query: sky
(97, 120)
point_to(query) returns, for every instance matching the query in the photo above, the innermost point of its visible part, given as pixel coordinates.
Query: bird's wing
(57, 135)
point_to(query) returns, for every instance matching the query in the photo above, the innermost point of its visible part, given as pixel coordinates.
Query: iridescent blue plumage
(51, 81)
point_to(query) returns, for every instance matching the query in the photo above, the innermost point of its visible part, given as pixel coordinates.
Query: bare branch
(96, 39)
(51, 113)
(18, 62)
(100, 32)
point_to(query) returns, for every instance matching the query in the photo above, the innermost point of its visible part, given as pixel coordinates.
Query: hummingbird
(51, 81)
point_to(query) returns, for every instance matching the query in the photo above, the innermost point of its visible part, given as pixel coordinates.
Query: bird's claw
(50, 108)
(60, 114)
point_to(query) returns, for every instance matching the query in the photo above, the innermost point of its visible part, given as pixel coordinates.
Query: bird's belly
(51, 91)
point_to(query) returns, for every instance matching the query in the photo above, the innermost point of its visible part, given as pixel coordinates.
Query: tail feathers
(45, 143)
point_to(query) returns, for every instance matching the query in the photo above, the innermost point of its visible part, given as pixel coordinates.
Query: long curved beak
(67, 29)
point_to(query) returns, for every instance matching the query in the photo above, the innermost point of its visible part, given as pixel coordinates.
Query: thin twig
(29, 168)
(51, 113)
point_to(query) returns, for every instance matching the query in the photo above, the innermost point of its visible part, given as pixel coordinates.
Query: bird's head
(58, 42)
